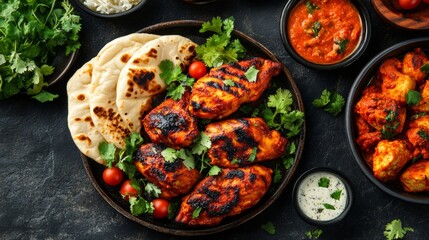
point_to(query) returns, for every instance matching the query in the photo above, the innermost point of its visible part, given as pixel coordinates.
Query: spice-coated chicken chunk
(418, 135)
(226, 194)
(173, 178)
(412, 63)
(367, 137)
(380, 112)
(389, 158)
(171, 123)
(423, 105)
(225, 88)
(239, 142)
(416, 177)
(395, 84)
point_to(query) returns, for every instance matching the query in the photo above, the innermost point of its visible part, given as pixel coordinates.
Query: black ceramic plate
(362, 81)
(110, 194)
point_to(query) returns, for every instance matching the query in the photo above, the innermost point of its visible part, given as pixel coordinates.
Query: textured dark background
(46, 194)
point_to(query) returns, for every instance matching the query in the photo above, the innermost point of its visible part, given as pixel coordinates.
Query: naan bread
(140, 80)
(111, 59)
(84, 133)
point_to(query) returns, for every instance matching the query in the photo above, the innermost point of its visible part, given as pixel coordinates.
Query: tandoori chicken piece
(389, 158)
(416, 177)
(367, 136)
(173, 178)
(380, 112)
(239, 142)
(412, 62)
(171, 123)
(222, 91)
(227, 194)
(423, 105)
(395, 84)
(418, 135)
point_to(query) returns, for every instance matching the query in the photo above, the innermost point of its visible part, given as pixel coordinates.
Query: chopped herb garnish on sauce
(328, 206)
(311, 7)
(316, 28)
(342, 44)
(425, 68)
(423, 134)
(323, 182)
(413, 98)
(336, 195)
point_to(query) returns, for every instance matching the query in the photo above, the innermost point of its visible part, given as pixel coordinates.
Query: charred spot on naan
(190, 49)
(144, 79)
(81, 97)
(125, 58)
(84, 138)
(114, 119)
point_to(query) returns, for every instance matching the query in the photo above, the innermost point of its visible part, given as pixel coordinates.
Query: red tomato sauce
(324, 31)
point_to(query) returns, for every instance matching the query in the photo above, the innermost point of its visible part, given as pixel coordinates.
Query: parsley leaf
(277, 175)
(219, 48)
(269, 228)
(140, 205)
(171, 155)
(336, 195)
(323, 182)
(200, 148)
(328, 206)
(311, 7)
(196, 212)
(252, 156)
(107, 153)
(394, 230)
(215, 170)
(342, 45)
(252, 74)
(413, 97)
(425, 68)
(229, 83)
(152, 189)
(316, 28)
(314, 234)
(175, 79)
(331, 102)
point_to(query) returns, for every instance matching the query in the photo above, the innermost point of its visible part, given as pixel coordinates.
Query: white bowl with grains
(110, 8)
(322, 196)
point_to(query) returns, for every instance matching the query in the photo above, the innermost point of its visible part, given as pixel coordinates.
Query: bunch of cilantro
(31, 33)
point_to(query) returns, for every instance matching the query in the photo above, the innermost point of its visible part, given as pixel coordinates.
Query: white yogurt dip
(322, 196)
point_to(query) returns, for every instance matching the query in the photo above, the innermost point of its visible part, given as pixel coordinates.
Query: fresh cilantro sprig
(314, 234)
(219, 48)
(331, 102)
(311, 7)
(323, 182)
(413, 98)
(200, 148)
(425, 68)
(174, 78)
(171, 155)
(269, 228)
(342, 45)
(31, 34)
(278, 113)
(394, 230)
(336, 195)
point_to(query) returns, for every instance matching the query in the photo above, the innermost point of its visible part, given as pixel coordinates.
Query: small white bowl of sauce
(322, 196)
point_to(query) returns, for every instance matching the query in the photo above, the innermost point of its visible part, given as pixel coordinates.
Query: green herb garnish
(229, 83)
(425, 68)
(31, 34)
(251, 74)
(413, 97)
(316, 28)
(269, 228)
(219, 48)
(314, 234)
(342, 44)
(323, 182)
(140, 205)
(175, 79)
(336, 195)
(328, 206)
(394, 230)
(196, 212)
(215, 170)
(331, 102)
(252, 156)
(423, 135)
(311, 7)
(171, 155)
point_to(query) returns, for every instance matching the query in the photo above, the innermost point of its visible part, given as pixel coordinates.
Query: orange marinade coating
(339, 21)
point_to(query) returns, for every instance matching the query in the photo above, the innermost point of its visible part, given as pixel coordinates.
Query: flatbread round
(139, 79)
(111, 59)
(84, 133)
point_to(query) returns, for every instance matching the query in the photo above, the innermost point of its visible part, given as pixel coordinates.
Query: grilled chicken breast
(171, 123)
(239, 142)
(173, 178)
(225, 88)
(226, 194)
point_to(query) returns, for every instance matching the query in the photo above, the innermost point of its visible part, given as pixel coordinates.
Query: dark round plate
(190, 29)
(362, 81)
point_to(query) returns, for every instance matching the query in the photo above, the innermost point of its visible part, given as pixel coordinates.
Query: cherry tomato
(197, 69)
(409, 4)
(127, 190)
(160, 208)
(112, 176)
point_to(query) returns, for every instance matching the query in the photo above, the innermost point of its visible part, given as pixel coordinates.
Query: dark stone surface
(46, 194)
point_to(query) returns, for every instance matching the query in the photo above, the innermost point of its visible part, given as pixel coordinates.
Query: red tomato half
(197, 69)
(160, 208)
(409, 4)
(112, 176)
(127, 190)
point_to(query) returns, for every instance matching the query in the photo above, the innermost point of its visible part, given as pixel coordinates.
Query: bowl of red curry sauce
(325, 34)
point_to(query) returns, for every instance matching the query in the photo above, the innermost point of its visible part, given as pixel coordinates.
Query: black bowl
(364, 79)
(360, 48)
(335, 220)
(138, 6)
